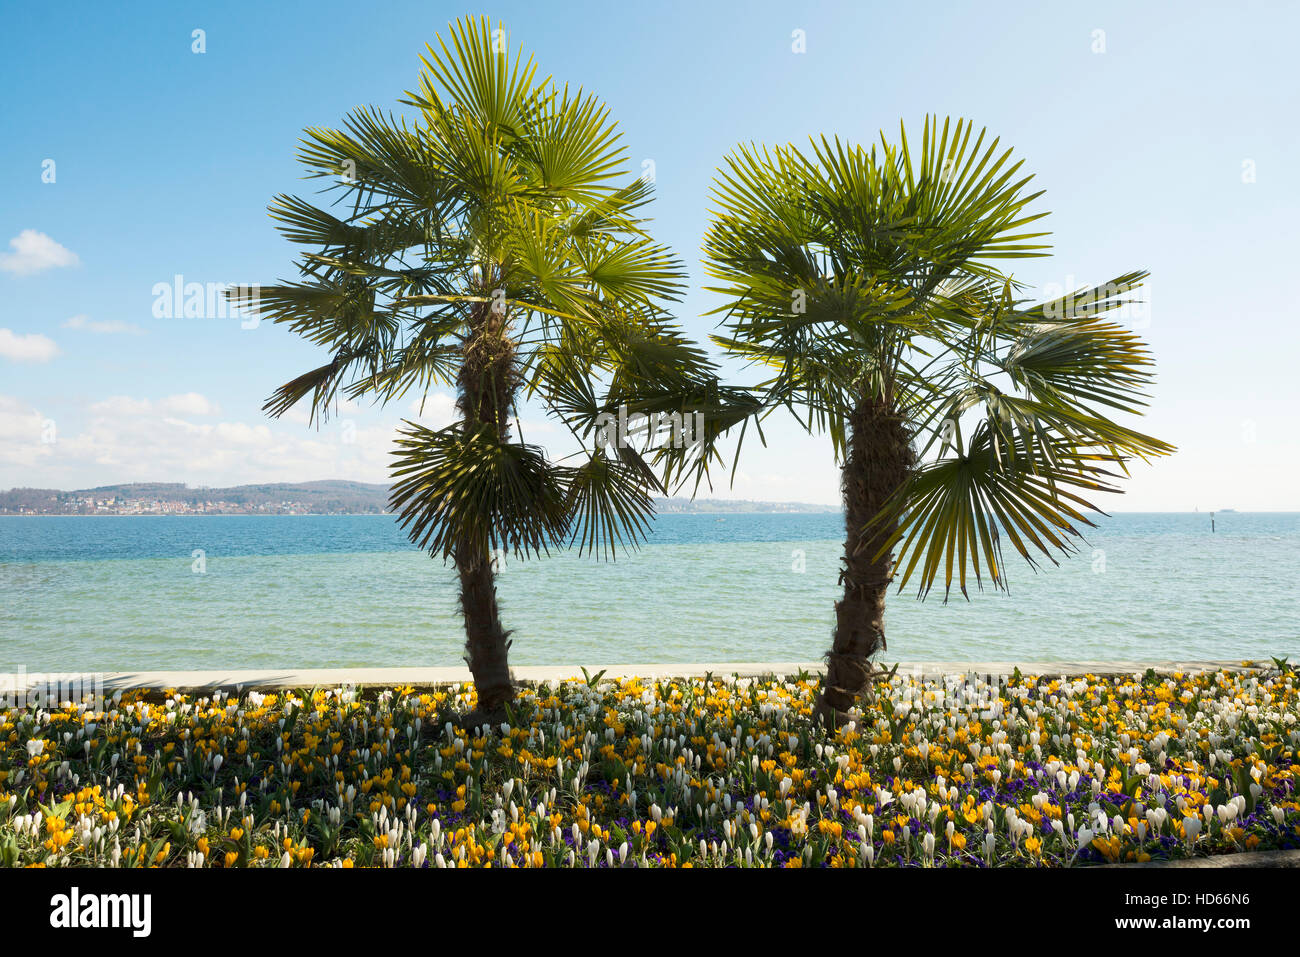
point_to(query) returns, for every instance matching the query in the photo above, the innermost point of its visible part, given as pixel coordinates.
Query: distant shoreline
(806, 510)
(350, 498)
(327, 497)
(720, 512)
(196, 514)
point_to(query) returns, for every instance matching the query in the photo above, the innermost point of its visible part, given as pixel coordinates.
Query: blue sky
(1164, 137)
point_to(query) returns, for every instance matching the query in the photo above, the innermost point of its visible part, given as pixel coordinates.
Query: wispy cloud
(21, 445)
(186, 437)
(188, 403)
(34, 251)
(437, 410)
(29, 348)
(107, 327)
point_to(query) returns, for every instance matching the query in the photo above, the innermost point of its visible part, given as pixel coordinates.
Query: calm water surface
(118, 593)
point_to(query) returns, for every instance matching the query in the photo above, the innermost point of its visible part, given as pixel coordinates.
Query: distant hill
(324, 497)
(669, 506)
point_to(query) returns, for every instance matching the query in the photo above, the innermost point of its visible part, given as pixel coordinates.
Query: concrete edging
(234, 680)
(1270, 859)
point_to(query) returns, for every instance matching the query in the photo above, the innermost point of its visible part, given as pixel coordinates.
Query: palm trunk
(487, 384)
(486, 642)
(879, 457)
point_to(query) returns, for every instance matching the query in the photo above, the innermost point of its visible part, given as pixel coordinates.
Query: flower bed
(945, 772)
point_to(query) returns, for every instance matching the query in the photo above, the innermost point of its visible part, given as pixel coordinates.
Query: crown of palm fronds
(851, 273)
(504, 192)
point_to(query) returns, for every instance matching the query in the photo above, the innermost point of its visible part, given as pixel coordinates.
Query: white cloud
(122, 438)
(240, 434)
(25, 434)
(126, 439)
(299, 414)
(34, 251)
(434, 411)
(437, 410)
(190, 403)
(103, 327)
(29, 348)
(184, 438)
(534, 427)
(121, 405)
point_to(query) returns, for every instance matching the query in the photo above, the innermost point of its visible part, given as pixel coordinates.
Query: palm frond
(458, 489)
(949, 518)
(608, 505)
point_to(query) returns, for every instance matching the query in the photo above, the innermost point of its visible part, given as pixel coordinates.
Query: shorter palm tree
(865, 283)
(493, 245)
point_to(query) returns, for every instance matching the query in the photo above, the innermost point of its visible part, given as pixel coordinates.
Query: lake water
(119, 593)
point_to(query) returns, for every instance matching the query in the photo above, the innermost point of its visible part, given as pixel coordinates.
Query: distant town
(158, 498)
(77, 504)
(306, 498)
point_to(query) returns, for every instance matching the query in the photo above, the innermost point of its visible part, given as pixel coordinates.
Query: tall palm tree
(866, 283)
(491, 243)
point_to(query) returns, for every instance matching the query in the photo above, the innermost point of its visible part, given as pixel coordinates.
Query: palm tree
(491, 244)
(865, 283)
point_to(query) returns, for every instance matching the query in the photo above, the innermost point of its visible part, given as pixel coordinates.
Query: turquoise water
(121, 593)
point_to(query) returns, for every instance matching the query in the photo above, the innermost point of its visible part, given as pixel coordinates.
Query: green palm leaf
(469, 492)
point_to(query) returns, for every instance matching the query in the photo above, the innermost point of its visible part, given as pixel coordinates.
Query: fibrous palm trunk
(486, 642)
(879, 458)
(487, 383)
